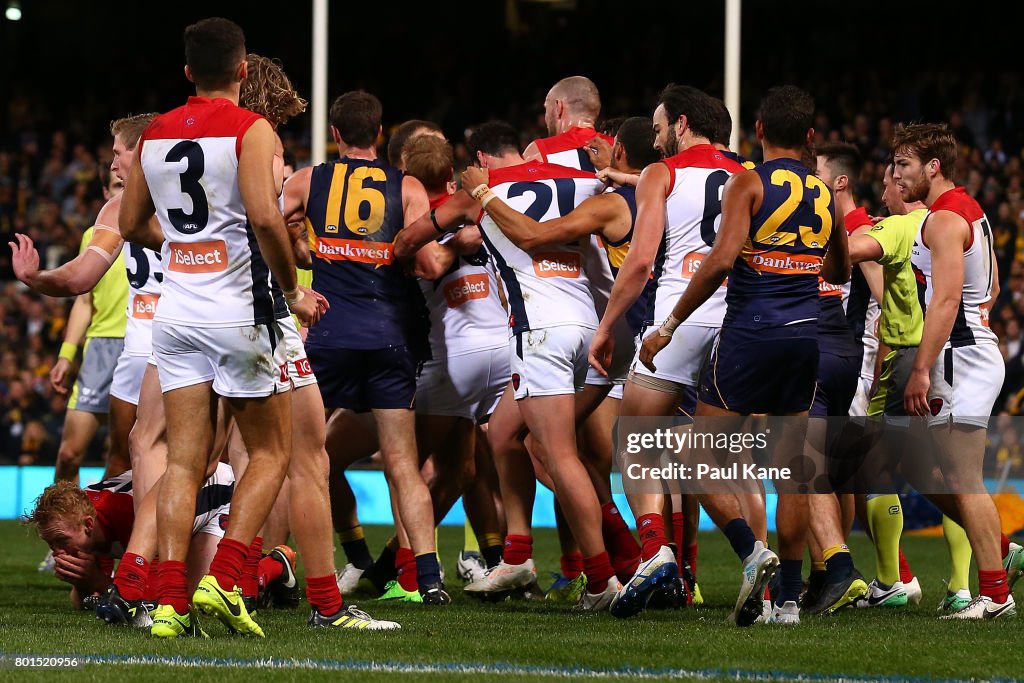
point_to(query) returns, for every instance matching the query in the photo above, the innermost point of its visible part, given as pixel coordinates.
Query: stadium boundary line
(499, 668)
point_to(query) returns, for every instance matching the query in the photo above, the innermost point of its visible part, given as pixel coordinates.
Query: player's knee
(309, 467)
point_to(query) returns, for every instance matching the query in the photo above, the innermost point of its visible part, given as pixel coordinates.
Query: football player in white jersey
(215, 330)
(459, 388)
(958, 368)
(606, 219)
(146, 445)
(268, 91)
(552, 317)
(678, 213)
(571, 109)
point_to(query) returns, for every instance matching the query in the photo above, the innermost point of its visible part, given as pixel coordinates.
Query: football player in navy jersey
(776, 237)
(355, 206)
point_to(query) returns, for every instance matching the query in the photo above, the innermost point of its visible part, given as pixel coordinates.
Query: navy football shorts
(838, 378)
(364, 379)
(763, 371)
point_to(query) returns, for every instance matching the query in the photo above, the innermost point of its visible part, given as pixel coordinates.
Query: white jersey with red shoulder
(548, 286)
(115, 510)
(971, 325)
(566, 149)
(145, 275)
(466, 314)
(693, 214)
(214, 274)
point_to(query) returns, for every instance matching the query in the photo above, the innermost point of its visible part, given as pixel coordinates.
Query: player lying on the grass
(87, 529)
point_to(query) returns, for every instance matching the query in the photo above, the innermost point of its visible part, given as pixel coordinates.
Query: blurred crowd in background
(50, 190)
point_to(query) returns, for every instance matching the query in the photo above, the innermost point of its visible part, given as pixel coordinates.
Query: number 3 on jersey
(191, 153)
(770, 234)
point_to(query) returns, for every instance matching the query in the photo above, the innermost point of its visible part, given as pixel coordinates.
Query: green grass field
(522, 641)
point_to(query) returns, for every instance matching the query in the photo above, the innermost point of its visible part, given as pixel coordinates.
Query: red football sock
(993, 584)
(652, 534)
(152, 591)
(227, 564)
(572, 565)
(173, 585)
(625, 567)
(323, 594)
(518, 549)
(132, 576)
(250, 582)
(691, 557)
(598, 569)
(405, 563)
(677, 535)
(269, 571)
(622, 546)
(1004, 544)
(906, 573)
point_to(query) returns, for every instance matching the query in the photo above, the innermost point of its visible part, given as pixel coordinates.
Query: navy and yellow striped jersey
(774, 282)
(354, 212)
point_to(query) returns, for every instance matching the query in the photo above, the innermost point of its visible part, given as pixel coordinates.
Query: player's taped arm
(77, 276)
(83, 272)
(837, 268)
(460, 209)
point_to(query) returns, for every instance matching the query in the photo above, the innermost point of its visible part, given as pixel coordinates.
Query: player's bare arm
(296, 195)
(741, 198)
(256, 185)
(946, 236)
(836, 269)
(460, 209)
(601, 214)
(74, 336)
(415, 202)
(81, 273)
(864, 249)
(651, 193)
(870, 268)
(137, 209)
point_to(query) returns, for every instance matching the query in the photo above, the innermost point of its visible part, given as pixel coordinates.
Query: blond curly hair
(61, 501)
(268, 91)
